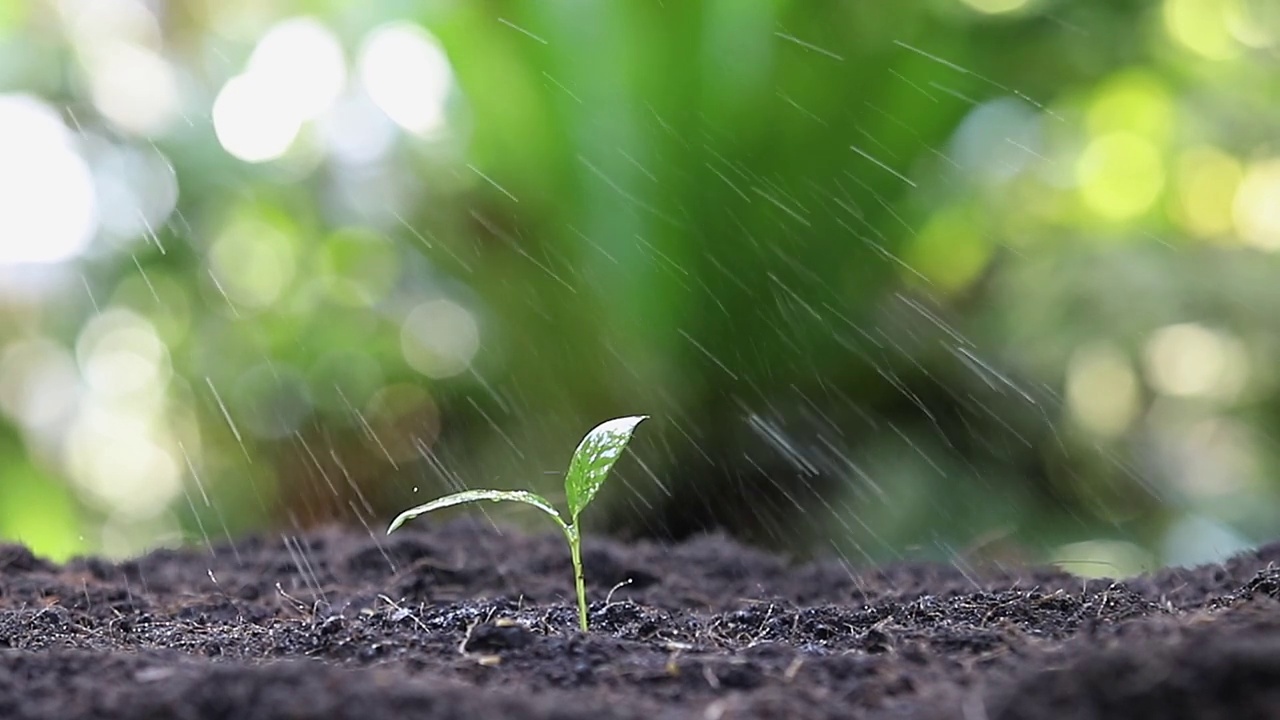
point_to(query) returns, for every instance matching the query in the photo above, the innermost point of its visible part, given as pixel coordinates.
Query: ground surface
(461, 621)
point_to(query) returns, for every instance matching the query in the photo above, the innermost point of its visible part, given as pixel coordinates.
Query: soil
(463, 620)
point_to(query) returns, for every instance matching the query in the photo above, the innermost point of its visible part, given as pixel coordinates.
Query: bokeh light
(1102, 389)
(408, 76)
(48, 207)
(1121, 175)
(295, 74)
(253, 262)
(1204, 26)
(995, 7)
(1207, 183)
(1190, 360)
(1257, 205)
(439, 338)
(253, 120)
(303, 60)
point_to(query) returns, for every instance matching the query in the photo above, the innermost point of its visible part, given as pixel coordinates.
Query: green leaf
(594, 458)
(467, 496)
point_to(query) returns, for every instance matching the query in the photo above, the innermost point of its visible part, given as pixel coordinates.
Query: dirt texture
(465, 621)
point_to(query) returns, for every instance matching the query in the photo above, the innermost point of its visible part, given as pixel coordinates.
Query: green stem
(580, 583)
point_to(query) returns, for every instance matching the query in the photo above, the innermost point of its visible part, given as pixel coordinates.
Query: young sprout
(590, 465)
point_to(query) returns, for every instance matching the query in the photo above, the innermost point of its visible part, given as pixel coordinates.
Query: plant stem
(575, 550)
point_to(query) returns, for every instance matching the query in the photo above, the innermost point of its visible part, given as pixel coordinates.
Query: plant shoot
(588, 469)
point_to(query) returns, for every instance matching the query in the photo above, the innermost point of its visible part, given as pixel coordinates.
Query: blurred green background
(974, 280)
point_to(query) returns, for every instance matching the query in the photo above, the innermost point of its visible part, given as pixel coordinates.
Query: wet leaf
(468, 496)
(594, 458)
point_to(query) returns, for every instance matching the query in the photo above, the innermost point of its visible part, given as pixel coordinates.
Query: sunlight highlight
(118, 449)
(1102, 390)
(253, 262)
(295, 74)
(48, 207)
(1190, 360)
(1203, 26)
(1120, 175)
(408, 76)
(252, 120)
(1256, 210)
(1207, 183)
(304, 61)
(993, 7)
(439, 338)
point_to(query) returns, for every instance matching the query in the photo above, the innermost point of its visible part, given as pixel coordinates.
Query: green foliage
(588, 470)
(717, 201)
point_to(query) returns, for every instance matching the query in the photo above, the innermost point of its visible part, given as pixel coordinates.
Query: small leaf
(467, 496)
(594, 458)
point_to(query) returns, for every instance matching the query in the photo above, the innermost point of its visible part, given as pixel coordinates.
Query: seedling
(590, 465)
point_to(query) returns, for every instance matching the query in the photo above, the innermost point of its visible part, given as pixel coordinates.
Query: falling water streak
(998, 375)
(1029, 151)
(876, 141)
(222, 521)
(223, 292)
(893, 551)
(200, 524)
(778, 203)
(654, 477)
(779, 190)
(885, 252)
(857, 469)
(906, 392)
(89, 291)
(191, 468)
(746, 176)
(708, 354)
(795, 297)
(351, 483)
(932, 317)
(637, 165)
(306, 447)
(784, 445)
(368, 429)
(882, 165)
(566, 90)
(376, 537)
(906, 437)
(906, 80)
(775, 483)
(809, 46)
(599, 248)
(680, 428)
(151, 233)
(497, 428)
(628, 196)
(226, 415)
(662, 256)
(957, 561)
(515, 245)
(299, 557)
(492, 182)
(517, 28)
(953, 92)
(226, 532)
(935, 58)
(728, 182)
(145, 278)
(451, 479)
(894, 119)
(71, 113)
(803, 110)
(1004, 423)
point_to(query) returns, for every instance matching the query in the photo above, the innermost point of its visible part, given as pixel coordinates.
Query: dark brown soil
(462, 621)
